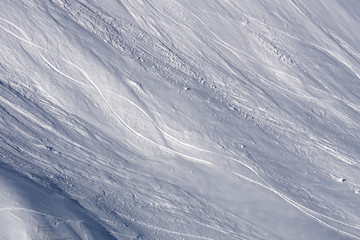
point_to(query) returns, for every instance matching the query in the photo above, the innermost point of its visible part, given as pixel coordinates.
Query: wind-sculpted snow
(31, 211)
(179, 119)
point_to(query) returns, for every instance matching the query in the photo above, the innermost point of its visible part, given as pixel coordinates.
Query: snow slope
(179, 119)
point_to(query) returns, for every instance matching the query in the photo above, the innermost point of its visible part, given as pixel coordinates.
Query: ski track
(14, 26)
(337, 40)
(139, 108)
(303, 209)
(7, 209)
(134, 131)
(310, 213)
(268, 186)
(232, 49)
(103, 98)
(135, 221)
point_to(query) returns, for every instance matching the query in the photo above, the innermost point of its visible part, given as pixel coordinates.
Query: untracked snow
(179, 119)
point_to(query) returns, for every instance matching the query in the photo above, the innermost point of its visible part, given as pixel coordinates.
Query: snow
(179, 119)
(30, 211)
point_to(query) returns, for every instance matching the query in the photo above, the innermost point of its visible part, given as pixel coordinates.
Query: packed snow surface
(179, 119)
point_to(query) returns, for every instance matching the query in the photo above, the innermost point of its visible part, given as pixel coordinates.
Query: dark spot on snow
(342, 179)
(134, 198)
(50, 148)
(139, 236)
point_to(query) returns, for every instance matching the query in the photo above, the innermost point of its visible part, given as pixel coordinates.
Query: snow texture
(179, 119)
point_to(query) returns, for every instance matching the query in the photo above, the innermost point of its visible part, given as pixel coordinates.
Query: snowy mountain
(179, 119)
